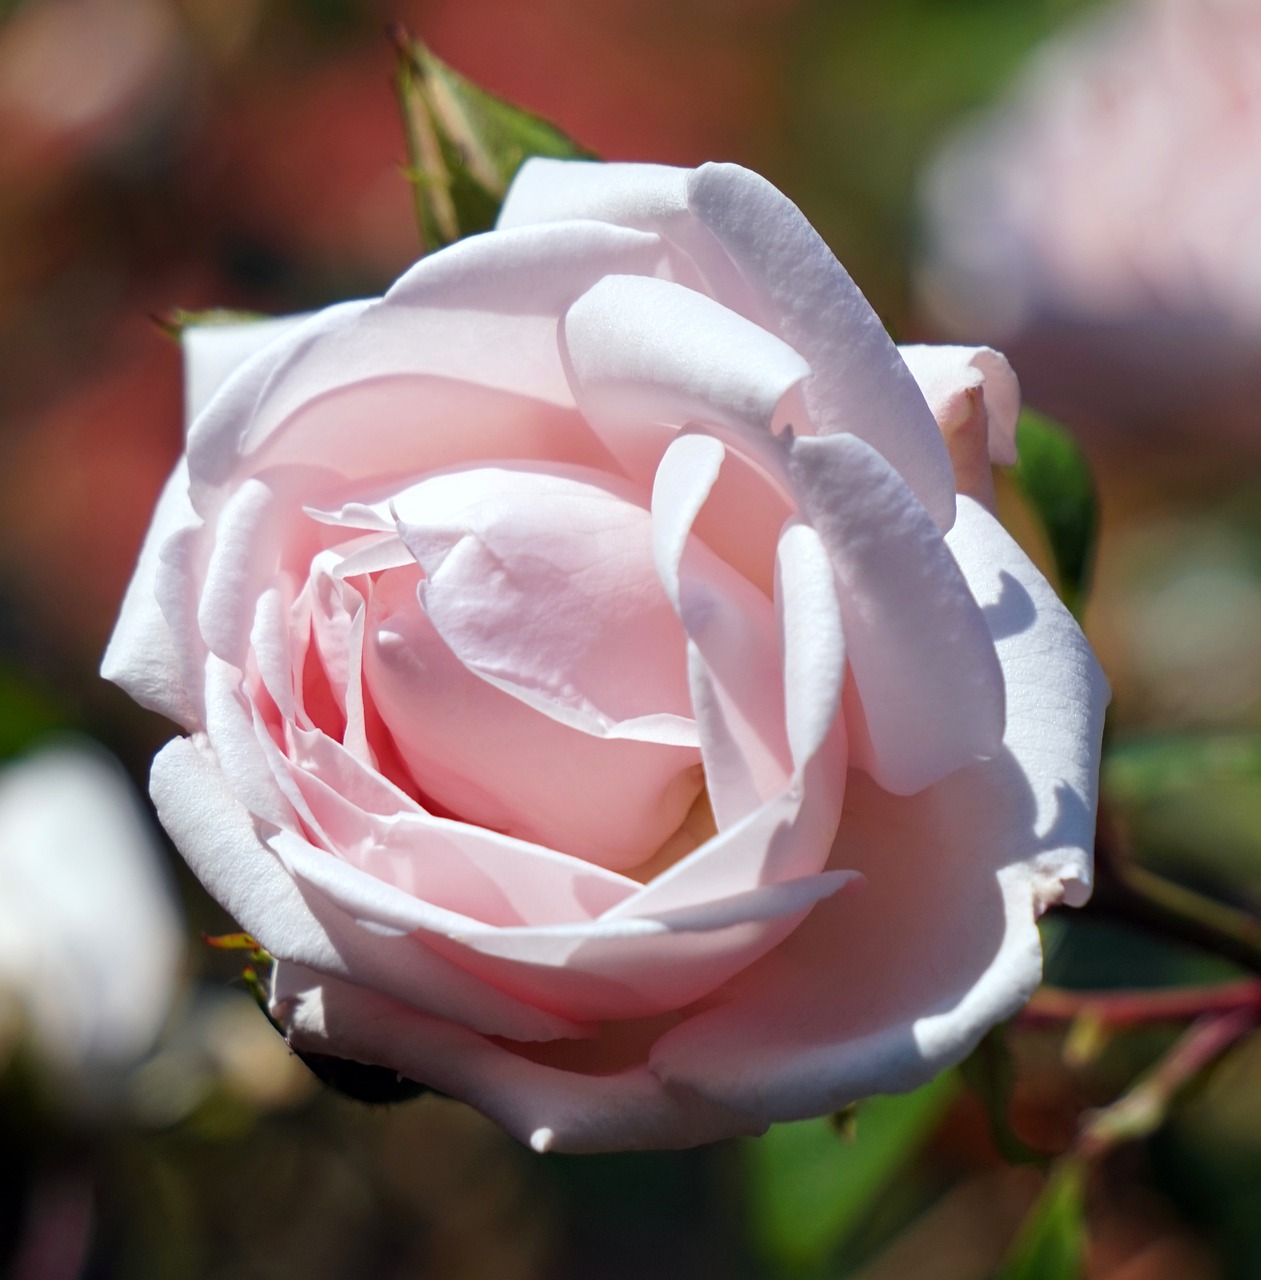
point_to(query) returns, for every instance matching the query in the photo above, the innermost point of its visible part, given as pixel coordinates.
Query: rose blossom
(1101, 222)
(599, 699)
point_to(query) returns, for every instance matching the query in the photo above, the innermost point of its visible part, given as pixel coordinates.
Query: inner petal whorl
(529, 666)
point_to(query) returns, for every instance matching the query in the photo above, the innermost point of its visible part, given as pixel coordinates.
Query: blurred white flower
(1102, 222)
(91, 942)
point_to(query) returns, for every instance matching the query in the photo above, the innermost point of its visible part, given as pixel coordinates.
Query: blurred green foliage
(811, 1186)
(874, 89)
(1055, 479)
(1052, 1242)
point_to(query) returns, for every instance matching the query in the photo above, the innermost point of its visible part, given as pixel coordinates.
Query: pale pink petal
(462, 327)
(648, 197)
(858, 384)
(245, 557)
(547, 1107)
(218, 839)
(975, 398)
(618, 966)
(948, 377)
(788, 838)
(923, 663)
(734, 660)
(542, 584)
(216, 435)
(644, 351)
(534, 271)
(469, 870)
(812, 640)
(629, 195)
(880, 992)
(493, 759)
(231, 726)
(1056, 695)
(142, 656)
(213, 352)
(628, 966)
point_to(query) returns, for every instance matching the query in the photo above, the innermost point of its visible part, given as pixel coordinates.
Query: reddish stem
(1129, 1008)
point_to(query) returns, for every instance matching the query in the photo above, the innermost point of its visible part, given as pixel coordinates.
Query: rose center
(529, 667)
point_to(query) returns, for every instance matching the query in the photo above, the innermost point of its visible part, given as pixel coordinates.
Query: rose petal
(213, 352)
(859, 383)
(465, 316)
(923, 663)
(142, 656)
(975, 398)
(644, 352)
(946, 376)
(546, 1107)
(618, 966)
(879, 995)
(495, 759)
(218, 839)
(1056, 695)
(734, 660)
(779, 274)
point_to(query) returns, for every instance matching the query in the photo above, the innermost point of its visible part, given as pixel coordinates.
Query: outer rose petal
(758, 255)
(975, 398)
(544, 1106)
(927, 690)
(214, 352)
(143, 656)
(877, 993)
(217, 837)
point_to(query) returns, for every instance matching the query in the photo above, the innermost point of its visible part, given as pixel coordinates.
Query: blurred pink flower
(1102, 223)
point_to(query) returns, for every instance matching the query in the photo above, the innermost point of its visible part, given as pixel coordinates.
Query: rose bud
(599, 696)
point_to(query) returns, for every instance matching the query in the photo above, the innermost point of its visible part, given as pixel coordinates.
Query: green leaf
(27, 712)
(810, 1187)
(1051, 1244)
(1191, 804)
(464, 145)
(990, 1072)
(1054, 477)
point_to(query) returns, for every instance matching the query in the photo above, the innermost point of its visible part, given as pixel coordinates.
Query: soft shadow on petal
(220, 843)
(878, 992)
(921, 655)
(143, 655)
(545, 1107)
(859, 383)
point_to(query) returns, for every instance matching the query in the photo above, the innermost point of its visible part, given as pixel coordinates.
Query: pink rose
(599, 699)
(1102, 222)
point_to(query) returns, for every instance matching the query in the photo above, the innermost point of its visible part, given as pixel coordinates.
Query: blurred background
(1074, 182)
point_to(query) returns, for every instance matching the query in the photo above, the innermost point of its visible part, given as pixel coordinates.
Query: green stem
(1131, 893)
